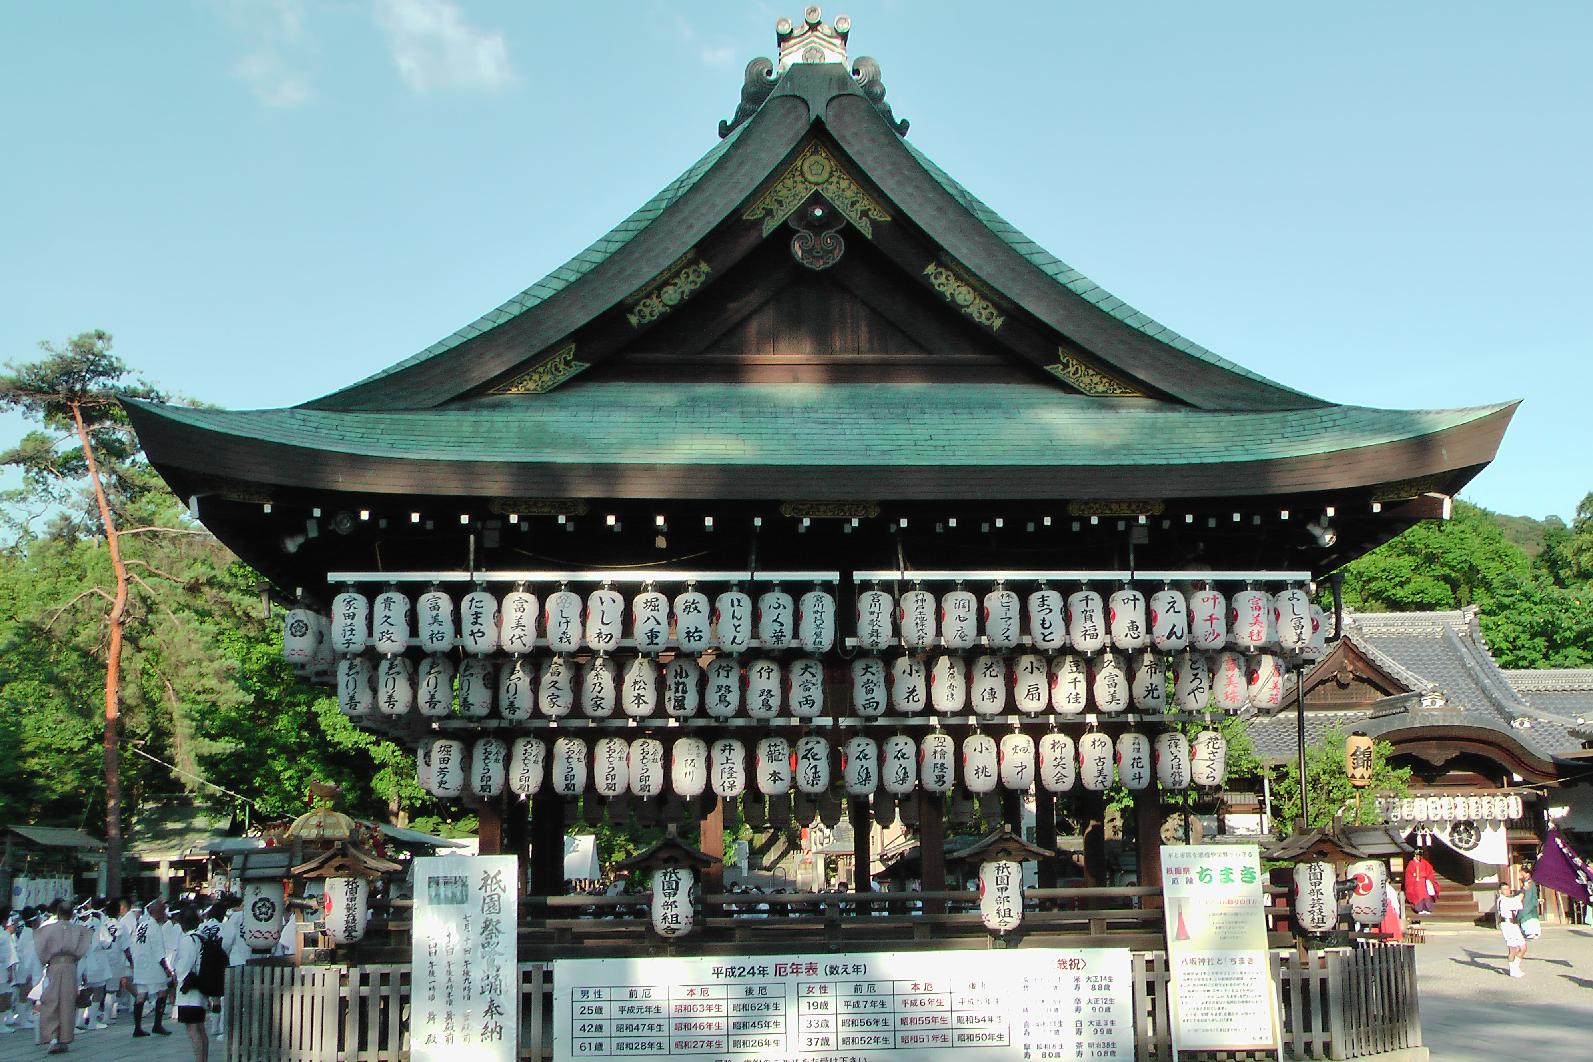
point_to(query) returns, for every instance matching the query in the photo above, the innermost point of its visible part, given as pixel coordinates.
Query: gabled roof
(55, 837)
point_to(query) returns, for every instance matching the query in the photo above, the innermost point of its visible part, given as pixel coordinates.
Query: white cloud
(272, 65)
(436, 50)
(716, 52)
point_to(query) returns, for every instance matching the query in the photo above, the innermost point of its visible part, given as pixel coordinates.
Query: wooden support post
(517, 835)
(489, 826)
(1092, 812)
(932, 847)
(862, 857)
(1148, 840)
(713, 844)
(1045, 834)
(547, 844)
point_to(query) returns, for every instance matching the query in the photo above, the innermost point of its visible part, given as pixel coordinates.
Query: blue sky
(266, 199)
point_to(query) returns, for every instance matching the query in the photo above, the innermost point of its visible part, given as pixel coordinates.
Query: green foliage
(1329, 785)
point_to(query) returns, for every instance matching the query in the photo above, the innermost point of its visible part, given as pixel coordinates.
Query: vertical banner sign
(465, 981)
(1223, 994)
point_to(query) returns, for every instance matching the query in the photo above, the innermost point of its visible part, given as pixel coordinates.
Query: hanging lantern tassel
(1208, 759)
(674, 893)
(344, 905)
(1001, 895)
(1315, 908)
(1358, 757)
(1369, 901)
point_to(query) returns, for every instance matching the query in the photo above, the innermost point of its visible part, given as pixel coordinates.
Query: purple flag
(1561, 869)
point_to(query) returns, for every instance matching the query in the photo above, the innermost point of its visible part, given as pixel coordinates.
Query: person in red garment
(1421, 884)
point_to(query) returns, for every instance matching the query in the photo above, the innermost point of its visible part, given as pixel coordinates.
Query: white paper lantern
(605, 620)
(1316, 909)
(488, 758)
(356, 686)
(1048, 626)
(1490, 807)
(860, 766)
(1087, 623)
(672, 911)
(395, 686)
(733, 621)
(611, 766)
(1015, 756)
(688, 766)
(899, 764)
(722, 697)
(1096, 753)
(816, 621)
(1291, 618)
(562, 621)
(693, 624)
(262, 907)
(1169, 620)
(1230, 684)
(1250, 619)
(1208, 620)
(727, 768)
(650, 621)
(1319, 631)
(322, 658)
(1407, 811)
(1192, 682)
(980, 769)
(448, 768)
(936, 762)
(639, 687)
(959, 619)
(1001, 895)
(682, 687)
(1003, 610)
(556, 687)
(1031, 683)
(948, 684)
(390, 623)
(1264, 675)
(776, 619)
(1070, 685)
(423, 767)
(1446, 808)
(909, 682)
(1134, 761)
(1148, 683)
(528, 766)
(1515, 806)
(1419, 811)
(351, 622)
(774, 766)
(434, 612)
(915, 614)
(1056, 761)
(1208, 759)
(763, 689)
(569, 766)
(434, 687)
(1473, 807)
(517, 686)
(517, 627)
(987, 684)
(805, 688)
(868, 686)
(1109, 685)
(1172, 761)
(1127, 620)
(812, 765)
(599, 687)
(298, 637)
(475, 688)
(478, 622)
(646, 767)
(344, 905)
(873, 619)
(1369, 901)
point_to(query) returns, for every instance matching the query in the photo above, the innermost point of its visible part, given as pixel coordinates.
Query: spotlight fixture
(1323, 532)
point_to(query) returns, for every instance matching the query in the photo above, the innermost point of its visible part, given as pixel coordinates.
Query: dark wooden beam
(1045, 834)
(547, 844)
(932, 847)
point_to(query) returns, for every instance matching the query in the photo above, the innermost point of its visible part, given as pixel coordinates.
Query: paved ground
(115, 1044)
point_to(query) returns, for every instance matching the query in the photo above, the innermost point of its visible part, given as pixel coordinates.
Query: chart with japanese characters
(466, 990)
(1002, 1006)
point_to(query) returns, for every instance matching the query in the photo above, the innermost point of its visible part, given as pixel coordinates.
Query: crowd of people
(68, 969)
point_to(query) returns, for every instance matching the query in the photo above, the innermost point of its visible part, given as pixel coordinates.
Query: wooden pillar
(489, 826)
(517, 835)
(547, 844)
(713, 844)
(932, 847)
(1045, 834)
(862, 858)
(1092, 812)
(1148, 840)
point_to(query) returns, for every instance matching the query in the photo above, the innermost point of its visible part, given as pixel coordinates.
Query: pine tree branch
(75, 599)
(168, 576)
(162, 531)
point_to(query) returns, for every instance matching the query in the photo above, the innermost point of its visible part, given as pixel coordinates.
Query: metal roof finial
(814, 41)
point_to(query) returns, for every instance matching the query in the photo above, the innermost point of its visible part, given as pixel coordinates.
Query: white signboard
(466, 991)
(1002, 1006)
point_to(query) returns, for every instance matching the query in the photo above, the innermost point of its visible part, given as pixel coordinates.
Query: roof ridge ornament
(815, 41)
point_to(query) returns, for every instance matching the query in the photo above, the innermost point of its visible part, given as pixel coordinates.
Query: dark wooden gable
(1348, 679)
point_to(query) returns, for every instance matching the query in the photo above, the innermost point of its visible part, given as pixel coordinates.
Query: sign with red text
(465, 987)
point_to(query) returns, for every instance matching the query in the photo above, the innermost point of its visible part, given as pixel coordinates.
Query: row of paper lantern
(1315, 894)
(1477, 807)
(523, 687)
(1165, 621)
(898, 765)
(344, 908)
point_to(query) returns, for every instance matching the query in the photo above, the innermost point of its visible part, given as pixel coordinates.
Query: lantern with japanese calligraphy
(805, 687)
(322, 658)
(639, 687)
(672, 911)
(1315, 906)
(1001, 895)
(1048, 625)
(488, 758)
(722, 696)
(1172, 761)
(1087, 624)
(727, 768)
(390, 623)
(650, 621)
(1002, 609)
(556, 687)
(1191, 682)
(447, 770)
(1169, 620)
(1070, 685)
(1473, 806)
(261, 911)
(478, 622)
(936, 762)
(344, 907)
(1419, 811)
(1407, 811)
(356, 687)
(733, 621)
(434, 612)
(475, 688)
(908, 685)
(351, 622)
(1230, 685)
(1148, 683)
(873, 619)
(979, 763)
(689, 764)
(569, 766)
(860, 766)
(1134, 760)
(395, 686)
(1369, 901)
(1057, 763)
(646, 767)
(611, 766)
(599, 687)
(899, 765)
(1031, 683)
(528, 764)
(562, 620)
(1126, 618)
(1249, 619)
(1319, 630)
(959, 619)
(1096, 753)
(423, 771)
(948, 684)
(682, 687)
(1291, 619)
(1515, 807)
(1358, 759)
(1015, 756)
(605, 619)
(1445, 808)
(517, 683)
(773, 766)
(776, 618)
(763, 688)
(1208, 759)
(987, 684)
(816, 621)
(517, 624)
(1109, 686)
(868, 686)
(299, 637)
(1264, 676)
(915, 613)
(812, 765)
(1208, 620)
(693, 629)
(434, 687)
